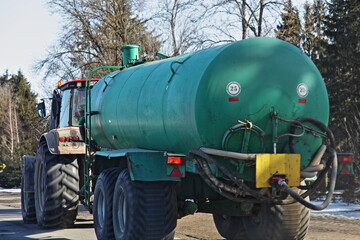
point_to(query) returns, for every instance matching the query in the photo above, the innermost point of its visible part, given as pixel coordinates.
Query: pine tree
(342, 72)
(20, 127)
(290, 27)
(313, 39)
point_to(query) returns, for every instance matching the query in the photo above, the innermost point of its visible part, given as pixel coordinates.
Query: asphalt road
(197, 227)
(13, 228)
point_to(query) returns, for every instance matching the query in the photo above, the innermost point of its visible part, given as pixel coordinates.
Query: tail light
(345, 158)
(69, 139)
(176, 165)
(176, 160)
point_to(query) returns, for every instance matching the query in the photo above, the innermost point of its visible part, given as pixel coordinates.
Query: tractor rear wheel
(56, 188)
(27, 190)
(103, 203)
(144, 210)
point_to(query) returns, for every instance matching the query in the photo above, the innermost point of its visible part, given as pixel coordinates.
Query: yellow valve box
(269, 164)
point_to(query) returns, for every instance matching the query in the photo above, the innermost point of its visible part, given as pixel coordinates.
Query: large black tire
(144, 210)
(103, 203)
(281, 222)
(230, 227)
(27, 190)
(56, 188)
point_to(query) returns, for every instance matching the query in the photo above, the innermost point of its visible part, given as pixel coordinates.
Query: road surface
(12, 228)
(197, 227)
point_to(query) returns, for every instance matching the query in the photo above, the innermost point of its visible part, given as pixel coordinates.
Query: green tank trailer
(238, 131)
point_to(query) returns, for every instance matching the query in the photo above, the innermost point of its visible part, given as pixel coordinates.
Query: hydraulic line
(231, 196)
(282, 184)
(313, 167)
(233, 178)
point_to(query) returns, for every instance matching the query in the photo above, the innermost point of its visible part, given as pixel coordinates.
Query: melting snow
(339, 208)
(10, 190)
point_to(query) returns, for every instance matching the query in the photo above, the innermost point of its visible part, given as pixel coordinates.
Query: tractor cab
(67, 104)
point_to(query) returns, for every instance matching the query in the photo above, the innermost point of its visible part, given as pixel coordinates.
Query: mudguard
(67, 140)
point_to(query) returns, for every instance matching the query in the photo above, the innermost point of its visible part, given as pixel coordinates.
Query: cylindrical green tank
(182, 103)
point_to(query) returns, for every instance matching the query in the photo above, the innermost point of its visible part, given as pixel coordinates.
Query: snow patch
(339, 208)
(10, 190)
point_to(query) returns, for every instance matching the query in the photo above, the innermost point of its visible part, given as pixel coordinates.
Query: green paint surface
(183, 103)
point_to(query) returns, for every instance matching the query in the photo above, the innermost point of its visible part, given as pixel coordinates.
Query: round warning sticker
(302, 90)
(233, 88)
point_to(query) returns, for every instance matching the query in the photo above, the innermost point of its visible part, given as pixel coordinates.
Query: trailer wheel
(103, 203)
(282, 222)
(229, 227)
(27, 190)
(144, 210)
(56, 188)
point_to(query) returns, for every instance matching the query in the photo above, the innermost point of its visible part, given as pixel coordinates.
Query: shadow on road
(13, 228)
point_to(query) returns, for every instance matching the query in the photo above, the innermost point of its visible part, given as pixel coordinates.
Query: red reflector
(345, 159)
(302, 100)
(176, 160)
(62, 139)
(233, 99)
(176, 172)
(345, 171)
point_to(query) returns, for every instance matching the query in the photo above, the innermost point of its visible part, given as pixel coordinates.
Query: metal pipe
(221, 153)
(319, 154)
(314, 167)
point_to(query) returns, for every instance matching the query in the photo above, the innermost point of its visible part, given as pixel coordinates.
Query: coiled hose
(220, 186)
(332, 162)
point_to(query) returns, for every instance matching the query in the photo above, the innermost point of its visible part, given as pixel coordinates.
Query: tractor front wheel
(56, 188)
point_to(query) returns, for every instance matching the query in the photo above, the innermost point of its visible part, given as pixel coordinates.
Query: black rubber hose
(233, 178)
(332, 161)
(301, 200)
(316, 123)
(222, 192)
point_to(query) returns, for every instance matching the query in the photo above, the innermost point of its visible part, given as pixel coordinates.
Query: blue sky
(27, 30)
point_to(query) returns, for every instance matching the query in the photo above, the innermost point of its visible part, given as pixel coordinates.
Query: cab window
(65, 109)
(78, 107)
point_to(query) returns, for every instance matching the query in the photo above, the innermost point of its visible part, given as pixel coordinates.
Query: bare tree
(240, 19)
(93, 32)
(179, 24)
(10, 134)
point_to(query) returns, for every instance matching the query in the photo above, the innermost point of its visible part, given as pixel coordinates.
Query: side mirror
(41, 109)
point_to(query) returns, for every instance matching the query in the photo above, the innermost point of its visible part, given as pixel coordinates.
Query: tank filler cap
(131, 55)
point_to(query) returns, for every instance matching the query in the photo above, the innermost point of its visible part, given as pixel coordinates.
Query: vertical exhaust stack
(131, 55)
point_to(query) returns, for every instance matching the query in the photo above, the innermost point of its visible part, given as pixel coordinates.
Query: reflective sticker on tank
(302, 90)
(233, 88)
